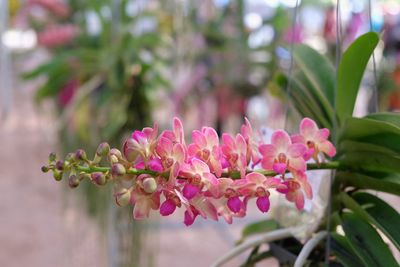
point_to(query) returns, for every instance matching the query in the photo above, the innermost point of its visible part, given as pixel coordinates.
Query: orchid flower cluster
(212, 177)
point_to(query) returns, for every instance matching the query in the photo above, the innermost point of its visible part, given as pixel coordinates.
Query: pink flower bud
(118, 169)
(123, 197)
(98, 178)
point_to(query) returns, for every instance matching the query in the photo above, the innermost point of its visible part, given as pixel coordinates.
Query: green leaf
(350, 72)
(362, 147)
(343, 251)
(318, 70)
(257, 228)
(389, 117)
(381, 214)
(371, 162)
(372, 131)
(366, 242)
(363, 181)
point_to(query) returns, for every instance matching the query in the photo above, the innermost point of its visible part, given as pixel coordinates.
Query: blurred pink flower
(57, 35)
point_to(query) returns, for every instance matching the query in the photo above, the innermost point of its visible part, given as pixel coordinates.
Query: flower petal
(234, 204)
(167, 207)
(281, 140)
(328, 148)
(297, 164)
(296, 150)
(279, 167)
(308, 128)
(199, 139)
(263, 203)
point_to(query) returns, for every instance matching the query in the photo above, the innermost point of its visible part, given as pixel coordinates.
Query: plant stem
(234, 175)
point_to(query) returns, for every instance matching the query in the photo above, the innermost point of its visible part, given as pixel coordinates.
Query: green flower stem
(234, 175)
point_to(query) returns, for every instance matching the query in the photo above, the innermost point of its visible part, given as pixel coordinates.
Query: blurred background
(74, 73)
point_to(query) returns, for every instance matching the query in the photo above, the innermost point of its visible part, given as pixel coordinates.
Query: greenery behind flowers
(116, 69)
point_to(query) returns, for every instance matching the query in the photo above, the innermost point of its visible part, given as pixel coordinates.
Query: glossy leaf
(389, 117)
(350, 72)
(363, 181)
(381, 214)
(318, 70)
(257, 228)
(366, 242)
(343, 251)
(371, 131)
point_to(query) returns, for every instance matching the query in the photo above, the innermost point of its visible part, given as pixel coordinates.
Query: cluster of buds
(212, 177)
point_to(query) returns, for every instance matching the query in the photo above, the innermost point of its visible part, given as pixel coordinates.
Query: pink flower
(198, 174)
(55, 6)
(142, 143)
(252, 146)
(202, 206)
(145, 197)
(228, 204)
(67, 92)
(172, 156)
(257, 185)
(282, 155)
(235, 151)
(295, 188)
(177, 135)
(205, 146)
(57, 35)
(315, 139)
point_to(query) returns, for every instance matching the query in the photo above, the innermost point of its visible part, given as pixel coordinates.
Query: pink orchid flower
(252, 145)
(145, 196)
(202, 206)
(295, 188)
(316, 139)
(198, 174)
(228, 204)
(282, 155)
(177, 135)
(172, 156)
(142, 143)
(235, 151)
(258, 185)
(205, 146)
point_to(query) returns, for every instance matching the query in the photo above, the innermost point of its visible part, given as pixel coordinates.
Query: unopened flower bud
(73, 181)
(84, 175)
(118, 169)
(114, 155)
(70, 157)
(57, 175)
(98, 178)
(122, 197)
(52, 157)
(130, 152)
(59, 165)
(81, 154)
(45, 168)
(149, 185)
(103, 149)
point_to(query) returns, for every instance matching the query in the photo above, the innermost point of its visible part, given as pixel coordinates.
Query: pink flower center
(282, 158)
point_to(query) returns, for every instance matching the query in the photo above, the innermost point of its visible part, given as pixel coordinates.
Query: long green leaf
(366, 242)
(364, 181)
(390, 117)
(381, 214)
(350, 72)
(362, 147)
(257, 228)
(318, 70)
(372, 131)
(344, 252)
